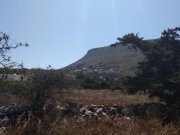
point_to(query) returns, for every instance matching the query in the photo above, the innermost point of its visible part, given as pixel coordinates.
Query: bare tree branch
(5, 47)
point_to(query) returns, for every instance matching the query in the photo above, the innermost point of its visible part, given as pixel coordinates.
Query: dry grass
(117, 126)
(107, 125)
(8, 99)
(105, 97)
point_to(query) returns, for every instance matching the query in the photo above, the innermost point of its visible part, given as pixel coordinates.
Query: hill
(122, 59)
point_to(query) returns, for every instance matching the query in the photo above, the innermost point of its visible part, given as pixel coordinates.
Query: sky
(60, 32)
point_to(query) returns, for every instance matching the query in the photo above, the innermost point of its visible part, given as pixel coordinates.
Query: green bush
(130, 38)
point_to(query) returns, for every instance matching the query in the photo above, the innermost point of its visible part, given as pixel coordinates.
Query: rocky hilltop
(122, 59)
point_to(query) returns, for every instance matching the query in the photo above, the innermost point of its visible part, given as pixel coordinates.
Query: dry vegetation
(106, 126)
(110, 125)
(113, 126)
(105, 97)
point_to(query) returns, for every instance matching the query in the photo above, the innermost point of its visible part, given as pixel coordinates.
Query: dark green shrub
(130, 38)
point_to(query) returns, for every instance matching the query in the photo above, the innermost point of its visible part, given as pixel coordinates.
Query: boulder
(59, 108)
(99, 110)
(88, 113)
(5, 122)
(113, 110)
(83, 109)
(3, 131)
(104, 114)
(92, 108)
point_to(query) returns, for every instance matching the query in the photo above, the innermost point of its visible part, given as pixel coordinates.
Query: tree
(130, 38)
(39, 90)
(170, 35)
(40, 86)
(5, 47)
(159, 75)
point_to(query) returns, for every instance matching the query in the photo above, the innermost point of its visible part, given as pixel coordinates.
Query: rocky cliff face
(122, 59)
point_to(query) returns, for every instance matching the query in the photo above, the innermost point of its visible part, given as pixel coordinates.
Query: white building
(13, 77)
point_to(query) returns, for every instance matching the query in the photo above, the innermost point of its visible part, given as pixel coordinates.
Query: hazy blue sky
(62, 31)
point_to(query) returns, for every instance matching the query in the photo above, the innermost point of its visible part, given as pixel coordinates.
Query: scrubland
(55, 124)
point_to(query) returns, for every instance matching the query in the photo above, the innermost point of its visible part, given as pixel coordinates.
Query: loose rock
(88, 113)
(99, 110)
(5, 122)
(113, 110)
(83, 109)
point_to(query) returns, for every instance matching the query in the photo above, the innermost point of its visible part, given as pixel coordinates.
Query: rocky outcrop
(97, 111)
(9, 115)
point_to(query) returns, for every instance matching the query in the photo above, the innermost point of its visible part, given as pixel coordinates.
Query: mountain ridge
(122, 59)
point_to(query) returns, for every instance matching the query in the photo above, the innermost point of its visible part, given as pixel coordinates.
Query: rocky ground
(98, 111)
(9, 115)
(104, 111)
(85, 114)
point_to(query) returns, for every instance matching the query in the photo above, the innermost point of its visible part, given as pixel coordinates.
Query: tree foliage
(130, 38)
(40, 87)
(170, 35)
(159, 75)
(160, 72)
